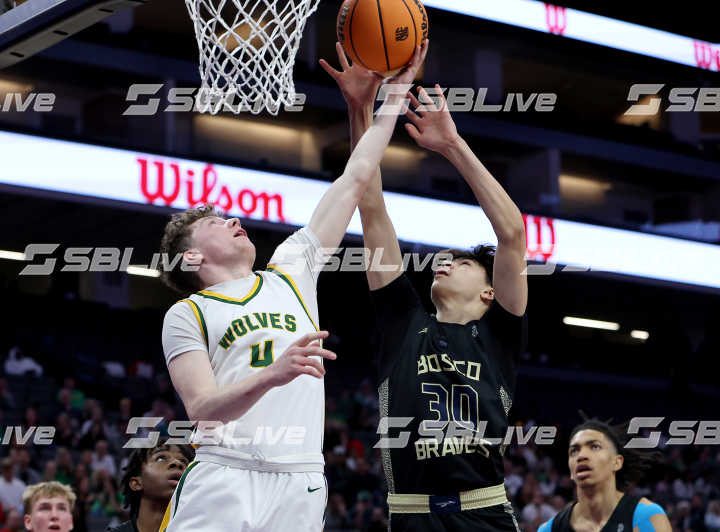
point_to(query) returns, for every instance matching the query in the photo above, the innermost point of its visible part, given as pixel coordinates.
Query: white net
(247, 52)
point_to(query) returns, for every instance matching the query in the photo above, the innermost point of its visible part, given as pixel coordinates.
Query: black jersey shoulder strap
(561, 523)
(621, 519)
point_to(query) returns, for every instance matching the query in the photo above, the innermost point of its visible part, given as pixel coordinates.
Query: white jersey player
(244, 350)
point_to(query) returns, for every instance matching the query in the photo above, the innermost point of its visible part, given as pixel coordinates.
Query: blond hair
(47, 489)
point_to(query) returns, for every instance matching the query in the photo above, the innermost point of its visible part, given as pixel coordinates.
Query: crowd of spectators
(88, 455)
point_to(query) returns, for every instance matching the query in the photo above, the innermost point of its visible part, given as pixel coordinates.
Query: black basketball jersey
(454, 383)
(621, 520)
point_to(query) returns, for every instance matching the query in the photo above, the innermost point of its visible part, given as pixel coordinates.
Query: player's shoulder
(645, 510)
(546, 526)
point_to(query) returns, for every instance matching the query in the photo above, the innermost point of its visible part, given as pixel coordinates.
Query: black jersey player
(452, 374)
(602, 466)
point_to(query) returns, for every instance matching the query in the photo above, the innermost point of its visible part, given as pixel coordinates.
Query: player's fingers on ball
(342, 56)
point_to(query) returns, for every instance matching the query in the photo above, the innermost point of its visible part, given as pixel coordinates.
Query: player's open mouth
(54, 527)
(583, 469)
(239, 232)
(175, 478)
(441, 272)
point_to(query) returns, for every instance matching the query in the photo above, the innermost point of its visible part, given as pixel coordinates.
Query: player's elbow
(360, 172)
(513, 234)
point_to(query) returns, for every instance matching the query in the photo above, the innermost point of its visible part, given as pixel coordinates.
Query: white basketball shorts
(219, 498)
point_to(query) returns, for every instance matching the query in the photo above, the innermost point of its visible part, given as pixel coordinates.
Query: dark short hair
(134, 469)
(635, 461)
(483, 254)
(177, 238)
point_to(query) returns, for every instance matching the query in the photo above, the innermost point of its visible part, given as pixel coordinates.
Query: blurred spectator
(513, 478)
(65, 435)
(50, 471)
(537, 510)
(101, 460)
(336, 517)
(18, 364)
(77, 397)
(11, 488)
(682, 488)
(25, 472)
(7, 401)
(361, 513)
(65, 469)
(697, 514)
(14, 521)
(66, 408)
(712, 516)
(378, 521)
(142, 367)
(94, 435)
(361, 480)
(104, 498)
(681, 517)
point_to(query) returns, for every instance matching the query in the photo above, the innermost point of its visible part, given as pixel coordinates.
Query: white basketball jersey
(244, 325)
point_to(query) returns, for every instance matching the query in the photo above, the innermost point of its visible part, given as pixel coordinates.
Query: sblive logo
(464, 100)
(87, 259)
(188, 99)
(41, 102)
(681, 433)
(210, 433)
(682, 99)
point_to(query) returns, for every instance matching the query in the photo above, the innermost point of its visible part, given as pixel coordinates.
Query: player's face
(222, 241)
(50, 514)
(461, 277)
(592, 458)
(161, 472)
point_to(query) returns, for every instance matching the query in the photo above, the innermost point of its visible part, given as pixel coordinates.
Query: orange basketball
(382, 35)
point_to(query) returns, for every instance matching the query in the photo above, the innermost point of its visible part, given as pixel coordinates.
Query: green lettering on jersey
(290, 324)
(250, 324)
(227, 339)
(275, 320)
(239, 328)
(262, 319)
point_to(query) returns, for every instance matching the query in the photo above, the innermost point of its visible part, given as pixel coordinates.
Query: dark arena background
(631, 202)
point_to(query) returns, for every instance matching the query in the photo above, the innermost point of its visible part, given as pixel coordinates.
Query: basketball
(382, 35)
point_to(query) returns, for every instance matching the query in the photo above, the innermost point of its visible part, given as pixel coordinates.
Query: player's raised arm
(433, 128)
(332, 215)
(359, 87)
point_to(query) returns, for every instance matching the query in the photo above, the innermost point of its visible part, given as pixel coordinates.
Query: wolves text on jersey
(252, 322)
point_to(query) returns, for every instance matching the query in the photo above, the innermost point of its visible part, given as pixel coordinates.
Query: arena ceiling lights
(87, 171)
(590, 28)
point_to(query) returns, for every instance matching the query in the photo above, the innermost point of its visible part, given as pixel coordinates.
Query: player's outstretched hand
(296, 359)
(408, 74)
(432, 126)
(358, 85)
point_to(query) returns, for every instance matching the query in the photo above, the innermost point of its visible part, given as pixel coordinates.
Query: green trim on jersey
(242, 301)
(201, 319)
(285, 277)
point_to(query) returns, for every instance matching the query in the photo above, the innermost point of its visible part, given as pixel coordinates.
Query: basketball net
(247, 52)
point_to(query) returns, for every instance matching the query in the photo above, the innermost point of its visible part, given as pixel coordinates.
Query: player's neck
(597, 503)
(215, 274)
(150, 515)
(452, 311)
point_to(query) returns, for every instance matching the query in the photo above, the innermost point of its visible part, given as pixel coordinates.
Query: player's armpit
(509, 276)
(194, 381)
